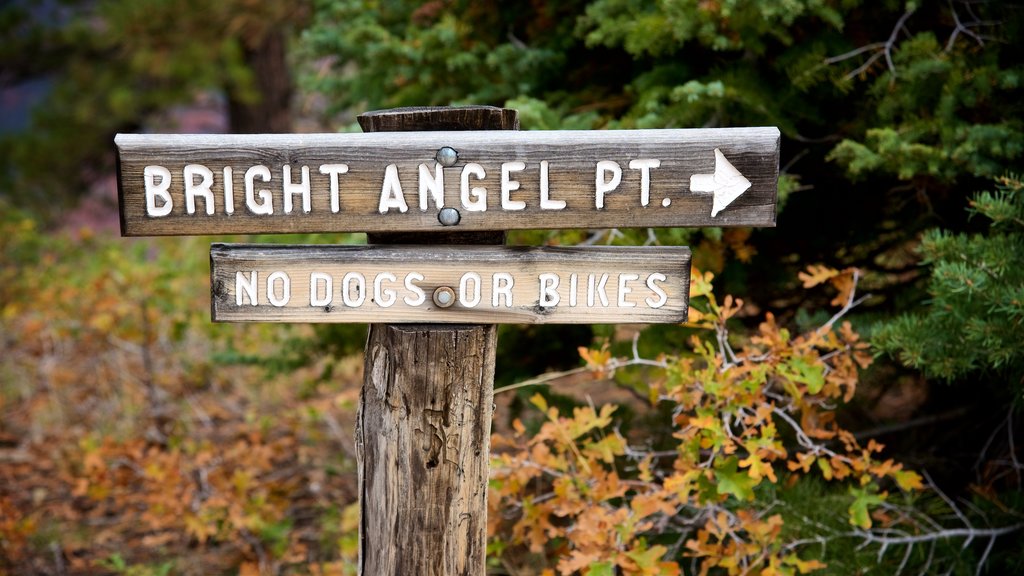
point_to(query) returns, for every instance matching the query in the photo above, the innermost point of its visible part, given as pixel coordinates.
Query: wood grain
(424, 435)
(439, 118)
(572, 158)
(423, 449)
(495, 285)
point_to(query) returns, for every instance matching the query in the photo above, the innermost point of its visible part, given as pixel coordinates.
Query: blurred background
(138, 438)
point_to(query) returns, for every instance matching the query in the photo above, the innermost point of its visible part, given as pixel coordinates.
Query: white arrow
(726, 183)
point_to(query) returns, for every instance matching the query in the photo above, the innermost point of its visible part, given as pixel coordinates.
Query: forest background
(844, 400)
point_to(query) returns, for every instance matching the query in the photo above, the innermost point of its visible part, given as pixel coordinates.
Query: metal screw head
(444, 297)
(449, 216)
(447, 156)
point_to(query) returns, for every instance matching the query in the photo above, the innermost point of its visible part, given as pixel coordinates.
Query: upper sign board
(449, 284)
(487, 180)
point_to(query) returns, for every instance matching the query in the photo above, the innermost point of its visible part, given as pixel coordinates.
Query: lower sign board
(449, 284)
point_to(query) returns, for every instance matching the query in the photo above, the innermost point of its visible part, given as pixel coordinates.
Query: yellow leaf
(804, 566)
(826, 469)
(908, 480)
(597, 360)
(539, 401)
(102, 322)
(700, 283)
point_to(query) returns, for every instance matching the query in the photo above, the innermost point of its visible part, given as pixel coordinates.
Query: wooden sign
(446, 181)
(446, 284)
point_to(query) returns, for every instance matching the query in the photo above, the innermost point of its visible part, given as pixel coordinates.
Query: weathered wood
(684, 171)
(424, 422)
(493, 285)
(439, 118)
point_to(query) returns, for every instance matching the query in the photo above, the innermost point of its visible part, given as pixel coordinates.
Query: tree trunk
(271, 111)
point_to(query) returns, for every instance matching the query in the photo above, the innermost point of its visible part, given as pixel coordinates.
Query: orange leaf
(845, 285)
(816, 274)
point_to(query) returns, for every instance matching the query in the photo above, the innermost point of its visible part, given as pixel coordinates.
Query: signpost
(383, 182)
(436, 189)
(449, 284)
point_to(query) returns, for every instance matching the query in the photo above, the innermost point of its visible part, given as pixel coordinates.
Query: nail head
(444, 297)
(449, 216)
(447, 156)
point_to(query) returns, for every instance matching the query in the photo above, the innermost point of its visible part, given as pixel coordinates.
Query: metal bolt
(449, 216)
(447, 156)
(444, 297)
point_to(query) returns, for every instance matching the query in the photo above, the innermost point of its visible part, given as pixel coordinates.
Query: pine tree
(973, 321)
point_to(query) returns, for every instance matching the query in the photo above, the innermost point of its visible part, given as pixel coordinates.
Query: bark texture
(424, 432)
(424, 424)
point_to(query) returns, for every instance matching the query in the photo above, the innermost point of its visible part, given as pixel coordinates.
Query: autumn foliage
(127, 448)
(743, 416)
(135, 441)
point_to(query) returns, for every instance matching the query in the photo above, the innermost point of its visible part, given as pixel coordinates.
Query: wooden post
(423, 429)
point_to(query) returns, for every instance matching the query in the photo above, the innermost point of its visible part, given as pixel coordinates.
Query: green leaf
(737, 483)
(803, 372)
(601, 569)
(863, 499)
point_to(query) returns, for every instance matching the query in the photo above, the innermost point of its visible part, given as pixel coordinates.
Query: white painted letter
(315, 278)
(286, 289)
(154, 190)
(229, 192)
(644, 166)
(574, 280)
(652, 283)
(247, 287)
(266, 206)
(508, 186)
(603, 185)
(410, 285)
(546, 203)
(479, 193)
(333, 170)
(434, 185)
(290, 189)
(346, 289)
(469, 300)
(386, 297)
(623, 290)
(601, 292)
(391, 192)
(501, 285)
(202, 189)
(548, 289)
